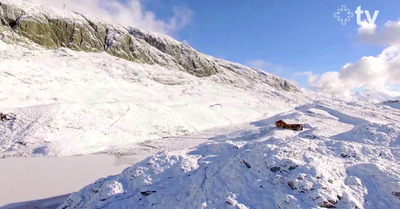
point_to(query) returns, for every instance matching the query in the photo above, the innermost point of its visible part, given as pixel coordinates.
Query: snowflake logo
(343, 14)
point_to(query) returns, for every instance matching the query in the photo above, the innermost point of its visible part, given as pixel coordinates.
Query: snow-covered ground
(393, 104)
(213, 139)
(71, 103)
(346, 157)
(74, 172)
(74, 103)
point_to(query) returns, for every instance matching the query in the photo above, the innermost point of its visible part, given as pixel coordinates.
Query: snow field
(259, 166)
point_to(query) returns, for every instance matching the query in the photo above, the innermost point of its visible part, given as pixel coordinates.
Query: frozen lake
(26, 179)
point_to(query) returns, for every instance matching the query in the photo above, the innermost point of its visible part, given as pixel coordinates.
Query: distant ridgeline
(23, 22)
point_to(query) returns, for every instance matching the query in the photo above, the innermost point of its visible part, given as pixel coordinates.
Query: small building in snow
(294, 127)
(280, 124)
(6, 117)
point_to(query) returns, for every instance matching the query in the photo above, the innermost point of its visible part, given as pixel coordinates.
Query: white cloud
(260, 64)
(185, 42)
(391, 34)
(387, 37)
(265, 65)
(182, 17)
(366, 28)
(130, 13)
(376, 75)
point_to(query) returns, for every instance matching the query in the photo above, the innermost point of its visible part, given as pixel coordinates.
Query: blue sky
(291, 36)
(284, 37)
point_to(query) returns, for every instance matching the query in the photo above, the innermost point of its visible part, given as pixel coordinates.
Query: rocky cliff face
(52, 28)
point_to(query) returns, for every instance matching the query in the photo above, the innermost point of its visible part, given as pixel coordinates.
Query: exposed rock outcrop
(51, 28)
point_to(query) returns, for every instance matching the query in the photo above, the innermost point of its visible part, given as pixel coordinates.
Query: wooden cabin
(3, 117)
(6, 117)
(294, 127)
(280, 124)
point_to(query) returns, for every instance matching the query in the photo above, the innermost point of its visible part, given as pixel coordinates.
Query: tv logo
(370, 20)
(344, 15)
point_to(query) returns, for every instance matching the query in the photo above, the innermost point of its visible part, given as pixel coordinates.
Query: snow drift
(259, 166)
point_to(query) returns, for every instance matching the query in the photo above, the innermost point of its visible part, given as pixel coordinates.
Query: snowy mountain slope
(72, 85)
(69, 103)
(393, 104)
(70, 81)
(22, 21)
(258, 166)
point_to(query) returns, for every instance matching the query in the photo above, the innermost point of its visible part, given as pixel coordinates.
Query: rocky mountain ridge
(22, 22)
